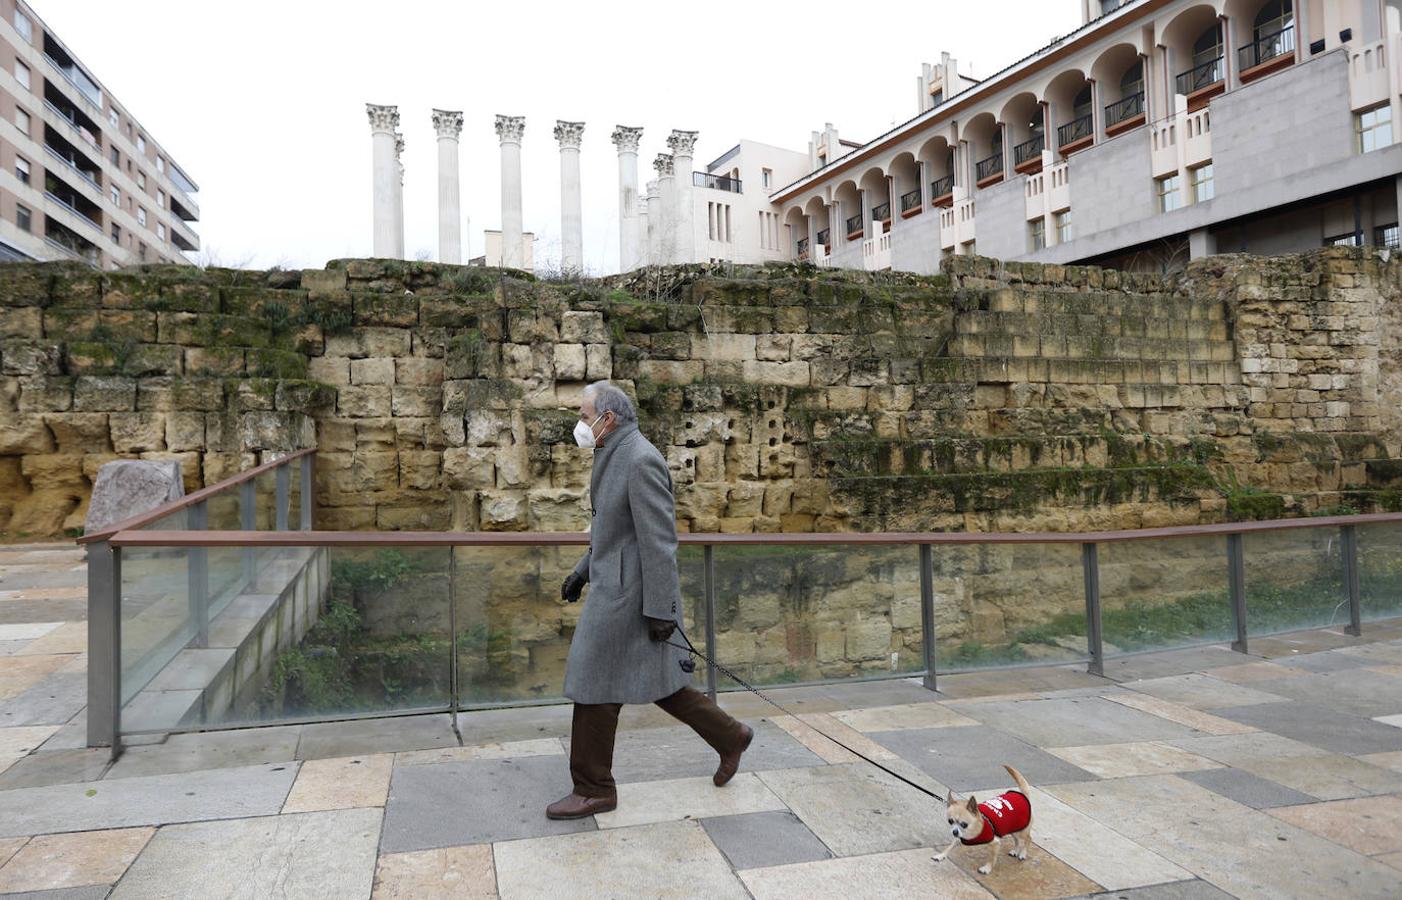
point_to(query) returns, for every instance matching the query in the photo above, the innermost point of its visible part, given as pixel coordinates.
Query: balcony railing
(854, 225)
(73, 166)
(80, 131)
(941, 187)
(881, 212)
(1030, 149)
(1266, 48)
(73, 209)
(1124, 109)
(987, 168)
(1075, 130)
(910, 200)
(715, 182)
(802, 246)
(86, 89)
(1203, 75)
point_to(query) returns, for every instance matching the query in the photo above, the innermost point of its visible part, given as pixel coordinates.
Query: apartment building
(80, 178)
(1160, 130)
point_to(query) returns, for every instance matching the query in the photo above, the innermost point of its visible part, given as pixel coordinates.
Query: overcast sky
(263, 103)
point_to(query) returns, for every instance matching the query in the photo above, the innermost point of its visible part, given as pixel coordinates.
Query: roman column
(683, 144)
(569, 134)
(630, 234)
(448, 124)
(383, 121)
(667, 207)
(509, 131)
(654, 223)
(398, 195)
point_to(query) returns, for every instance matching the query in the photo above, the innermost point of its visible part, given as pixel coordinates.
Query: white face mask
(584, 434)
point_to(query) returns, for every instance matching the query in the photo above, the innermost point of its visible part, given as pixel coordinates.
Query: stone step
(1090, 347)
(1089, 324)
(955, 455)
(1110, 303)
(995, 369)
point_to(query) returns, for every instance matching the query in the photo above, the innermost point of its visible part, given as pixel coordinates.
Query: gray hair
(609, 398)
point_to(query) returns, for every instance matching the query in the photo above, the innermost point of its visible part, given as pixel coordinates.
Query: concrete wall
(915, 243)
(1002, 219)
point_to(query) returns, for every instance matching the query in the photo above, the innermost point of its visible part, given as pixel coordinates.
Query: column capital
(398, 145)
(448, 123)
(382, 118)
(510, 129)
(626, 138)
(652, 189)
(682, 143)
(663, 165)
(569, 134)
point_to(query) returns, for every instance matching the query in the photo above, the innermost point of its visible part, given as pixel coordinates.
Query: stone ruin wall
(998, 397)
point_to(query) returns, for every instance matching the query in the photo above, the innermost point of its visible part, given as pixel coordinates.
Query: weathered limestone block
(271, 430)
(745, 499)
(670, 371)
(25, 433)
(363, 401)
(469, 468)
(30, 356)
(126, 488)
(137, 432)
(577, 327)
(420, 372)
(369, 342)
(503, 510)
(598, 363)
(373, 370)
(21, 322)
(414, 517)
(104, 393)
(570, 362)
(556, 509)
(410, 400)
(738, 347)
(185, 431)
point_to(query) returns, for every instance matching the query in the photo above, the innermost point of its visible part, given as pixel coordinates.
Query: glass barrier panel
(1164, 594)
(156, 620)
(1294, 580)
(691, 569)
(1380, 570)
(1008, 604)
(265, 501)
(791, 614)
(223, 510)
(294, 495)
(317, 633)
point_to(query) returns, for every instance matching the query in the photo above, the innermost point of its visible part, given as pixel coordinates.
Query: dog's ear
(949, 800)
(973, 805)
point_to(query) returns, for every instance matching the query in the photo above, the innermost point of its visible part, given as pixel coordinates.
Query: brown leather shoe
(730, 762)
(576, 807)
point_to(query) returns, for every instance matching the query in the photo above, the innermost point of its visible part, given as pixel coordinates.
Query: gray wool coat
(631, 566)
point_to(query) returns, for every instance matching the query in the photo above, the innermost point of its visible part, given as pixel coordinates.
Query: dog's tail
(1022, 784)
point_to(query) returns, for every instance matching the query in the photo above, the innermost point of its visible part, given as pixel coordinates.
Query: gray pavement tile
(1291, 644)
(524, 723)
(1177, 890)
(66, 609)
(1316, 724)
(753, 840)
(52, 701)
(1247, 789)
(313, 855)
(72, 736)
(475, 802)
(209, 750)
(1361, 692)
(376, 736)
(1075, 722)
(967, 685)
(56, 767)
(971, 757)
(10, 648)
(188, 797)
(879, 693)
(661, 754)
(1328, 661)
(87, 892)
(1172, 662)
(1202, 691)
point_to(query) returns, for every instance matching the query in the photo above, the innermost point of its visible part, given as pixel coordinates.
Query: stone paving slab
(9, 847)
(1246, 788)
(312, 855)
(1172, 662)
(27, 631)
(754, 840)
(910, 715)
(22, 610)
(644, 802)
(441, 874)
(53, 701)
(1331, 776)
(1178, 890)
(968, 685)
(1039, 875)
(476, 802)
(1127, 760)
(376, 736)
(91, 892)
(658, 754)
(666, 859)
(1360, 692)
(73, 860)
(56, 767)
(908, 873)
(1095, 849)
(1387, 653)
(507, 750)
(1240, 749)
(1203, 691)
(806, 731)
(1318, 724)
(1290, 645)
(1318, 663)
(340, 783)
(189, 797)
(209, 750)
(968, 758)
(19, 673)
(1248, 673)
(1241, 851)
(69, 637)
(1368, 826)
(22, 740)
(1075, 722)
(1183, 715)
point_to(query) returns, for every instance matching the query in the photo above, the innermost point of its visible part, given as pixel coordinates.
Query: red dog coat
(1005, 814)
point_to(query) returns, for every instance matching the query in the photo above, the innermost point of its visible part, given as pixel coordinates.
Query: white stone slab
(909, 715)
(1095, 850)
(857, 809)
(1130, 759)
(644, 802)
(26, 631)
(907, 873)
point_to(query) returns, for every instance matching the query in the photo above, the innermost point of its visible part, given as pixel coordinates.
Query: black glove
(572, 588)
(660, 629)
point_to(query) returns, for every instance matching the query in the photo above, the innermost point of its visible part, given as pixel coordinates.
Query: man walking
(620, 652)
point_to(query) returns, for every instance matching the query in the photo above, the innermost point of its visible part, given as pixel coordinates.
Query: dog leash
(691, 648)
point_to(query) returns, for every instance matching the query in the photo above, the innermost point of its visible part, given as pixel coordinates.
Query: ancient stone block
(104, 393)
(583, 328)
(419, 372)
(137, 432)
(22, 322)
(409, 400)
(376, 370)
(24, 433)
(469, 468)
(369, 342)
(185, 431)
(27, 356)
(598, 363)
(363, 401)
(570, 362)
(554, 509)
(503, 510)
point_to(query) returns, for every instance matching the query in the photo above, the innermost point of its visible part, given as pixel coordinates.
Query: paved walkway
(1195, 774)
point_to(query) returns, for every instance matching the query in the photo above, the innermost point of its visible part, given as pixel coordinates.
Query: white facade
(492, 252)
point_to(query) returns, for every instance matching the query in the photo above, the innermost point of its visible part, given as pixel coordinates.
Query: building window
(141, 216)
(1108, 6)
(1387, 236)
(1037, 233)
(1374, 128)
(22, 217)
(22, 169)
(141, 251)
(24, 26)
(22, 74)
(116, 234)
(937, 97)
(116, 158)
(1202, 183)
(140, 144)
(1063, 227)
(1342, 240)
(766, 177)
(161, 230)
(160, 198)
(112, 117)
(161, 164)
(22, 122)
(141, 180)
(1170, 198)
(116, 197)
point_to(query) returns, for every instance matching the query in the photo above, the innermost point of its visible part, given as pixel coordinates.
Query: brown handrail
(126, 526)
(561, 538)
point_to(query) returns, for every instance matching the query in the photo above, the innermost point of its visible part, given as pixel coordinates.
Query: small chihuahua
(1008, 815)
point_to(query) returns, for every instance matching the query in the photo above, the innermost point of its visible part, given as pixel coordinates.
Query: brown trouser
(595, 724)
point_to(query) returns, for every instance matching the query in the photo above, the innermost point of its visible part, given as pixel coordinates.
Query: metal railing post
(197, 566)
(1352, 589)
(1090, 565)
(284, 490)
(1236, 579)
(709, 569)
(104, 646)
(927, 613)
(308, 489)
(248, 521)
(453, 632)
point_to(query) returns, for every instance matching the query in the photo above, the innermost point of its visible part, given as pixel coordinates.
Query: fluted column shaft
(448, 125)
(683, 144)
(654, 223)
(509, 131)
(398, 196)
(384, 177)
(667, 206)
(630, 234)
(569, 134)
